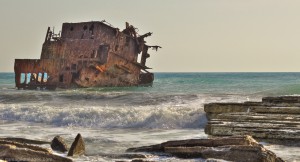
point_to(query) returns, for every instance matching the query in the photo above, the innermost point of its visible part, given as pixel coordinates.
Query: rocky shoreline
(273, 118)
(232, 126)
(27, 150)
(234, 148)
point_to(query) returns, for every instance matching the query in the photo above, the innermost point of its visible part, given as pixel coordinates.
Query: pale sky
(196, 35)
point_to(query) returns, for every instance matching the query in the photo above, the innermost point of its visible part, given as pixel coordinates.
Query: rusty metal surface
(87, 54)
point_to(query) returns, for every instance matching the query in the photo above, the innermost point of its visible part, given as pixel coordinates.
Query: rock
(238, 148)
(78, 147)
(58, 144)
(232, 153)
(141, 160)
(13, 153)
(25, 146)
(215, 142)
(282, 100)
(152, 148)
(274, 118)
(127, 156)
(137, 160)
(215, 160)
(24, 140)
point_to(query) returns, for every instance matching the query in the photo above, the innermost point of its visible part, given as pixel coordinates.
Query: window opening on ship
(40, 77)
(45, 77)
(93, 55)
(103, 53)
(85, 27)
(67, 68)
(23, 80)
(127, 41)
(74, 67)
(92, 29)
(61, 78)
(28, 78)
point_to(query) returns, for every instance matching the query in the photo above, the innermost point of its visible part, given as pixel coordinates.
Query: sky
(196, 35)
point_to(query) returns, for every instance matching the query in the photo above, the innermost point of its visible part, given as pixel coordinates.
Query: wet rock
(59, 144)
(24, 140)
(231, 153)
(78, 146)
(127, 156)
(282, 100)
(239, 148)
(215, 160)
(137, 160)
(10, 152)
(215, 142)
(273, 118)
(141, 160)
(25, 146)
(151, 148)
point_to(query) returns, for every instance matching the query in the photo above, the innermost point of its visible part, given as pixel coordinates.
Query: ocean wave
(106, 117)
(115, 111)
(94, 98)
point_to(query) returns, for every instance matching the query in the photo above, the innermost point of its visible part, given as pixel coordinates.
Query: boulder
(78, 146)
(59, 144)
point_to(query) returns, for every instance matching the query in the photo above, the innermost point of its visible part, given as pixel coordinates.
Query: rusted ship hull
(87, 54)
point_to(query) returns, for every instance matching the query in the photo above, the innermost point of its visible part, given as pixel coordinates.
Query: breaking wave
(110, 110)
(106, 117)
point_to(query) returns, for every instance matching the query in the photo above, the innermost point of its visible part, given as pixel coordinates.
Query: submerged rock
(239, 148)
(78, 146)
(59, 144)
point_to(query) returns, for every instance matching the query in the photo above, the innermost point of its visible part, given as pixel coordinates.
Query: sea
(112, 119)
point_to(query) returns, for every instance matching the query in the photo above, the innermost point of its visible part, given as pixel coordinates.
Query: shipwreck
(87, 54)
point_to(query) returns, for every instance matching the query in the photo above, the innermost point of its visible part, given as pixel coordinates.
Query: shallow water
(114, 119)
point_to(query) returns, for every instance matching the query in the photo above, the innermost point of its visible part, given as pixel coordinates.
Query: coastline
(114, 119)
(107, 139)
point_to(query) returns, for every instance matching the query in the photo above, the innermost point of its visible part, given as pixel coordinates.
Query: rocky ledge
(235, 148)
(27, 150)
(273, 118)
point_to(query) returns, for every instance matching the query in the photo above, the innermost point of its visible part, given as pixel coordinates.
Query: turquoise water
(168, 101)
(229, 83)
(205, 83)
(114, 119)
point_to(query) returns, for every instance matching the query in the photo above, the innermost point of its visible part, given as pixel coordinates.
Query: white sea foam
(106, 117)
(173, 112)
